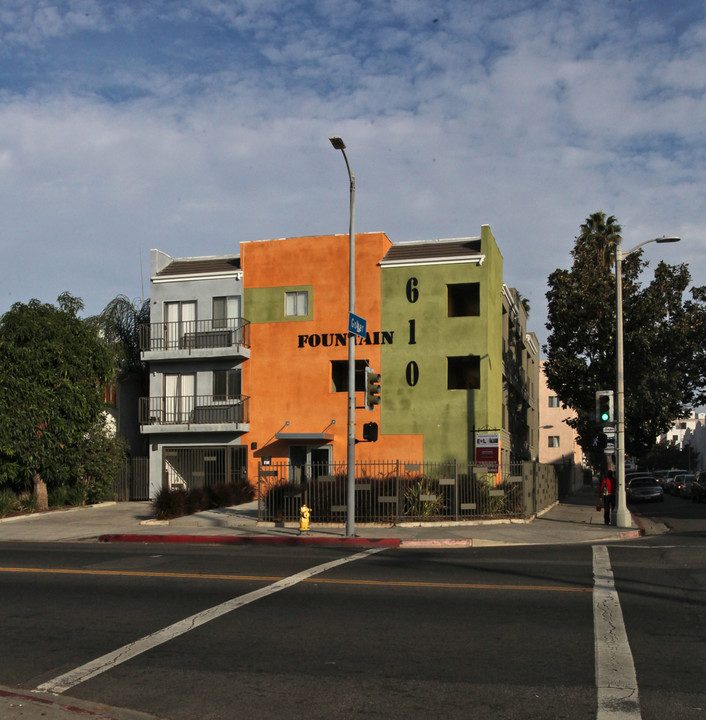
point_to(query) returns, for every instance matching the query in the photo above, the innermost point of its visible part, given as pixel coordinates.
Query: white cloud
(526, 116)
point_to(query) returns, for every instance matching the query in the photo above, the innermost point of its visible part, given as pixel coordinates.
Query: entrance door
(307, 462)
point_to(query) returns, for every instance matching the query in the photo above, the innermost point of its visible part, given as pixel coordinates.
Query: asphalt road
(471, 633)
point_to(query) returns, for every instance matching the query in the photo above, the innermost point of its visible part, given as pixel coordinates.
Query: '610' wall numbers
(412, 371)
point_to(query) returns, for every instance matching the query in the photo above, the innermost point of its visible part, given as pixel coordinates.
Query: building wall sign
(341, 339)
(488, 451)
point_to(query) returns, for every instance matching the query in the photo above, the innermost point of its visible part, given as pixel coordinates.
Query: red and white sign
(488, 451)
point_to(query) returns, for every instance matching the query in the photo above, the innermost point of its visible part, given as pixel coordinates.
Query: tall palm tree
(120, 323)
(602, 235)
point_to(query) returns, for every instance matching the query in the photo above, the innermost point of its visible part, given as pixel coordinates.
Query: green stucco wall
(425, 337)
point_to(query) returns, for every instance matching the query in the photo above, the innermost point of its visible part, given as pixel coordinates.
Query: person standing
(607, 495)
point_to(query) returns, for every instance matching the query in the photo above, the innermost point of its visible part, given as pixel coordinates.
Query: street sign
(356, 325)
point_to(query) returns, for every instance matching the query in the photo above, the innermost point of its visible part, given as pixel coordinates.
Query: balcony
(202, 413)
(227, 338)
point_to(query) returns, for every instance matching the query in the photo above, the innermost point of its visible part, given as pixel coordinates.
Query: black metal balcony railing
(195, 410)
(195, 335)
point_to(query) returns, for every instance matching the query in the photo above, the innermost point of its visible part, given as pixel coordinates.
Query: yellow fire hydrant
(304, 513)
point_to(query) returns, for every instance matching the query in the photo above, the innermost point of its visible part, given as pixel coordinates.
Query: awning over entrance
(305, 438)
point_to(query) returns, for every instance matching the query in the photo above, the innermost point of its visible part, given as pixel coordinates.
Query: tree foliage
(119, 323)
(52, 369)
(663, 337)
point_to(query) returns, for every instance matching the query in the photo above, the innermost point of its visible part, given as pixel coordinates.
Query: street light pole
(338, 144)
(622, 516)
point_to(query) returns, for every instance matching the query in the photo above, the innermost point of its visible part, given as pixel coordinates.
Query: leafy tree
(52, 368)
(663, 336)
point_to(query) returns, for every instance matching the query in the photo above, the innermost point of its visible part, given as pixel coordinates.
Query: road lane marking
(78, 675)
(616, 680)
(274, 578)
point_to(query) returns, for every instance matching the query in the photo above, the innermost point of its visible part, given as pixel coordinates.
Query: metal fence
(190, 335)
(194, 410)
(388, 492)
(132, 481)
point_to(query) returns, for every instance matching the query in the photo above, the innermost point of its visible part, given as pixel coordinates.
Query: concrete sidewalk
(573, 521)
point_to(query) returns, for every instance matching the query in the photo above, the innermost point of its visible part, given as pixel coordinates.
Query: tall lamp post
(338, 144)
(622, 517)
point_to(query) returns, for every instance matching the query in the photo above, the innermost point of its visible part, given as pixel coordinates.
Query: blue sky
(190, 125)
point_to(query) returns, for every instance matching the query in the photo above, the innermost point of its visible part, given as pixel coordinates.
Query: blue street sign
(356, 325)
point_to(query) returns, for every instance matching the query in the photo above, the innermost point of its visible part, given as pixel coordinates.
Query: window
(179, 319)
(226, 384)
(339, 375)
(463, 299)
(226, 311)
(553, 441)
(463, 372)
(296, 303)
(554, 401)
(179, 396)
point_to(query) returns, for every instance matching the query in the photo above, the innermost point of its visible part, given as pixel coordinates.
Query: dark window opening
(339, 375)
(464, 372)
(464, 299)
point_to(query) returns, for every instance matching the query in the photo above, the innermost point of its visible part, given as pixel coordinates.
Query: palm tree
(119, 323)
(602, 234)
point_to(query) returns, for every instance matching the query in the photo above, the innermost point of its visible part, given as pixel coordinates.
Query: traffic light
(604, 406)
(370, 432)
(372, 388)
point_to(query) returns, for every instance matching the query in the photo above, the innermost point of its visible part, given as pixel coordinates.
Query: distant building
(689, 431)
(558, 442)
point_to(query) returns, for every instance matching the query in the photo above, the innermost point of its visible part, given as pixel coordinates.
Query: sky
(192, 125)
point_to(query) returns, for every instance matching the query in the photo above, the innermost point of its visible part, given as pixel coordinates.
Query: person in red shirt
(607, 495)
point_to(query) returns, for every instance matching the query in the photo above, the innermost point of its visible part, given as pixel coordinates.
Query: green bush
(8, 501)
(178, 502)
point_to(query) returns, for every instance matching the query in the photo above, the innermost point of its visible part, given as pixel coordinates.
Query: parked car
(698, 487)
(644, 489)
(666, 478)
(682, 485)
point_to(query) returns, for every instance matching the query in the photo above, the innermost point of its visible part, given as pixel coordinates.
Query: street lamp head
(337, 143)
(668, 238)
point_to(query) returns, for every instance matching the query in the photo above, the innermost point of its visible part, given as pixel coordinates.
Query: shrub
(178, 502)
(169, 504)
(8, 501)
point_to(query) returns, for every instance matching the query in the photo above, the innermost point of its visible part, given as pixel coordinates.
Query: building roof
(201, 266)
(434, 251)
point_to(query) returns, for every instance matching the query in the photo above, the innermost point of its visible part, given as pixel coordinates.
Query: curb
(251, 539)
(66, 708)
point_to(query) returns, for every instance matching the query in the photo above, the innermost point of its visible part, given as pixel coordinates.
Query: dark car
(681, 485)
(667, 480)
(698, 487)
(644, 489)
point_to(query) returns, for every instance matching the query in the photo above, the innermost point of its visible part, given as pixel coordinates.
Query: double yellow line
(267, 579)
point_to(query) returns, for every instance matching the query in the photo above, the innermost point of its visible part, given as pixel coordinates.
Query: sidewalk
(572, 521)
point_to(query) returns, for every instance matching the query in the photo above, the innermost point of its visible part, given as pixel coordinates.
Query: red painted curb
(83, 712)
(251, 539)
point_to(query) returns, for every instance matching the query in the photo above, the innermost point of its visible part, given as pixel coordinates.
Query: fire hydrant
(304, 513)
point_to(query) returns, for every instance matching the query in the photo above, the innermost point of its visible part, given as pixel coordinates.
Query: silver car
(644, 489)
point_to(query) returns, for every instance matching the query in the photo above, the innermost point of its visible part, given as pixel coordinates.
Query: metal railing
(195, 335)
(194, 410)
(387, 492)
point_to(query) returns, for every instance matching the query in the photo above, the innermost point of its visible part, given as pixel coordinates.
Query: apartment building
(248, 357)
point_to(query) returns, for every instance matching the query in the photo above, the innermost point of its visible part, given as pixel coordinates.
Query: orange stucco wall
(290, 382)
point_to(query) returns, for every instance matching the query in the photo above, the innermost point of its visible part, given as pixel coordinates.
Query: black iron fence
(191, 335)
(194, 410)
(389, 492)
(132, 481)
